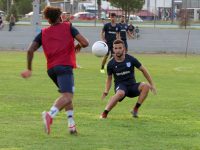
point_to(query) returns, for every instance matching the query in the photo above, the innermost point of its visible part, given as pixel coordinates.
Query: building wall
(191, 3)
(150, 4)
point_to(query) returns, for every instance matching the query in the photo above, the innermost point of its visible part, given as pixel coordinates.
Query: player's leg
(120, 93)
(110, 52)
(59, 75)
(69, 108)
(144, 90)
(126, 46)
(103, 63)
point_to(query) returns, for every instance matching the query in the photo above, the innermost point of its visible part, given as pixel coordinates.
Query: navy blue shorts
(130, 90)
(63, 77)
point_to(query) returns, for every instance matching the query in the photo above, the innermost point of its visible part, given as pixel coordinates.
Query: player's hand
(153, 89)
(104, 95)
(77, 48)
(26, 74)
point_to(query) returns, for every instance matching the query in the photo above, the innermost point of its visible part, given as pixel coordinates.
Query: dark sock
(137, 105)
(102, 67)
(106, 112)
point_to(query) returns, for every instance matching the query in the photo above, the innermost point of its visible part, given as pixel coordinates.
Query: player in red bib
(57, 41)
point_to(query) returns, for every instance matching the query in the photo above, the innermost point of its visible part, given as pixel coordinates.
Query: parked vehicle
(2, 13)
(135, 18)
(84, 16)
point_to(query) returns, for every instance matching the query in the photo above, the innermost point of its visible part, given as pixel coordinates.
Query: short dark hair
(52, 13)
(118, 42)
(113, 14)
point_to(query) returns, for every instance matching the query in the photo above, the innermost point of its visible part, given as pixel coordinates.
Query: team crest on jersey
(128, 64)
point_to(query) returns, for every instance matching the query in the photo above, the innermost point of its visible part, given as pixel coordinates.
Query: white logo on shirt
(128, 64)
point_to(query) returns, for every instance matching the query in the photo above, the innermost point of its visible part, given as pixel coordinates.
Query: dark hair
(118, 42)
(113, 14)
(52, 13)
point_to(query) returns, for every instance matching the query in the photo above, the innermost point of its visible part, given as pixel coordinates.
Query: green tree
(13, 10)
(24, 6)
(128, 6)
(3, 5)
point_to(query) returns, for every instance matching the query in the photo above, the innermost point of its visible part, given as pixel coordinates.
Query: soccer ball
(99, 48)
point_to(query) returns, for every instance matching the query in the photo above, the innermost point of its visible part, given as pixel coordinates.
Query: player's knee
(67, 98)
(120, 94)
(146, 87)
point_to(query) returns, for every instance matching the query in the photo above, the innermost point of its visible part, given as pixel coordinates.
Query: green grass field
(168, 121)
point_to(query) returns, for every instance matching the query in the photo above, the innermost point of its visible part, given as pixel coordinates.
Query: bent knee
(67, 98)
(120, 93)
(144, 86)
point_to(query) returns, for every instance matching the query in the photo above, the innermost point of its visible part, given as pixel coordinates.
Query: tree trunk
(99, 8)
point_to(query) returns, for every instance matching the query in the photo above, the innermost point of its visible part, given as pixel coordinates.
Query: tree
(128, 6)
(13, 10)
(184, 19)
(3, 5)
(24, 6)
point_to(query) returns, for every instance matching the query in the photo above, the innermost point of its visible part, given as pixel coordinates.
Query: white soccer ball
(99, 48)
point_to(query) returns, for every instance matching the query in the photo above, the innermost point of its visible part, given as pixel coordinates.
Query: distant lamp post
(172, 12)
(48, 3)
(71, 5)
(95, 22)
(7, 6)
(155, 12)
(64, 9)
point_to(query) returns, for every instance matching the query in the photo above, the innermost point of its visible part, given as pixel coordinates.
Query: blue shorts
(63, 77)
(130, 90)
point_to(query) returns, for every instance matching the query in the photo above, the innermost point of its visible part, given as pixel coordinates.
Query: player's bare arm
(107, 87)
(83, 42)
(33, 47)
(30, 54)
(103, 36)
(149, 79)
(130, 35)
(118, 36)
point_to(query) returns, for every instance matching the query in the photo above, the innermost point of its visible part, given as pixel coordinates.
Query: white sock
(53, 111)
(70, 118)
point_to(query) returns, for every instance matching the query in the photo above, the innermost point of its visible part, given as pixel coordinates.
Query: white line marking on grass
(184, 69)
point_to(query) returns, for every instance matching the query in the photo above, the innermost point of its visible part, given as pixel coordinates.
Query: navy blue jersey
(123, 72)
(110, 32)
(131, 28)
(124, 29)
(38, 38)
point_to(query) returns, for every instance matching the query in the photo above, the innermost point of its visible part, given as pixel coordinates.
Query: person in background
(124, 32)
(109, 33)
(11, 22)
(66, 17)
(131, 30)
(1, 23)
